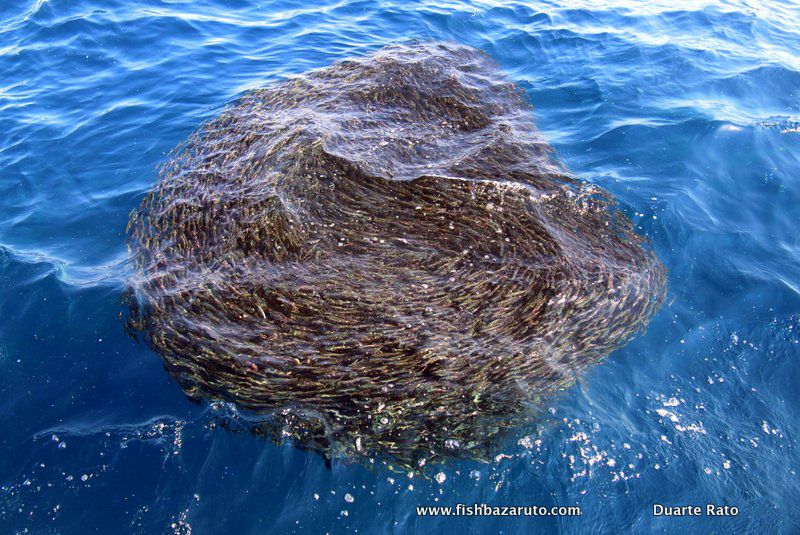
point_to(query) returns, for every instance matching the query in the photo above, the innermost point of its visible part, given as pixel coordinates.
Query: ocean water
(688, 112)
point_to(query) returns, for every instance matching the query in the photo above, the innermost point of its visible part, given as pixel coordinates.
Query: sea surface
(688, 112)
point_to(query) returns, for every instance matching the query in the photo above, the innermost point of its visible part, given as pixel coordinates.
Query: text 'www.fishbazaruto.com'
(482, 509)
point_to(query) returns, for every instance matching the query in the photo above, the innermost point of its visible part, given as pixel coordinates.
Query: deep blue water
(689, 112)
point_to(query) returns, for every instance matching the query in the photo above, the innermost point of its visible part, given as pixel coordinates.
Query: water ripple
(687, 111)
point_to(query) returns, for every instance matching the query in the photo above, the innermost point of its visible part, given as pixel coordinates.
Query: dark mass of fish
(382, 257)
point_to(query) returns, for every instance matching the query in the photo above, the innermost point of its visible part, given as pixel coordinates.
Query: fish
(384, 257)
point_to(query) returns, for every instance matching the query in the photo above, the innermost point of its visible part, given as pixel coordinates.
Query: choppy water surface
(687, 112)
